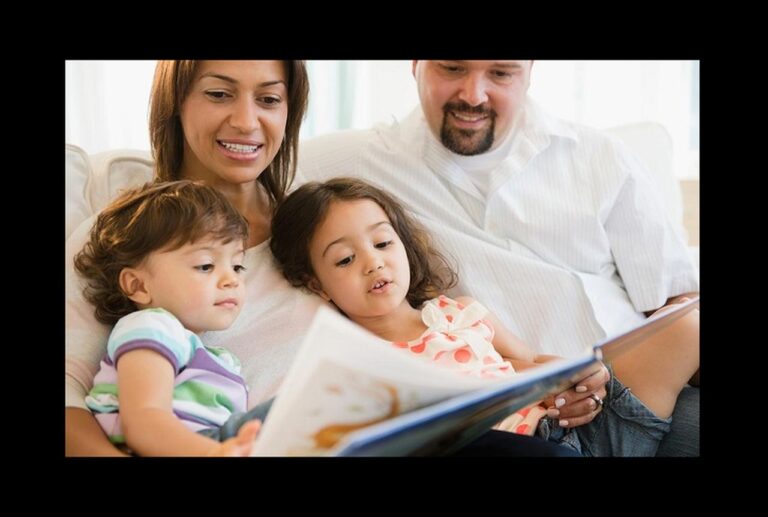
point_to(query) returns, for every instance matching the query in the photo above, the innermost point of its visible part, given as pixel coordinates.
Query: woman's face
(233, 120)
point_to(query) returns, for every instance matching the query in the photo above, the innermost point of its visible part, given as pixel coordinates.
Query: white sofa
(91, 181)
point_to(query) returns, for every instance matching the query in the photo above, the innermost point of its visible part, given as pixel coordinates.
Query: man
(555, 227)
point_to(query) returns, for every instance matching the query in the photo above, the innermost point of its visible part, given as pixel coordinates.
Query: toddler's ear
(314, 285)
(132, 284)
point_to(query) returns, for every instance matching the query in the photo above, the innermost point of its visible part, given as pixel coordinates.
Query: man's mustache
(482, 109)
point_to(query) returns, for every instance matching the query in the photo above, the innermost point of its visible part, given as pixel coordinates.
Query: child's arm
(506, 343)
(145, 383)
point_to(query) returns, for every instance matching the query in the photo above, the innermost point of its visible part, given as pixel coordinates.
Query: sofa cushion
(77, 174)
(652, 145)
(114, 171)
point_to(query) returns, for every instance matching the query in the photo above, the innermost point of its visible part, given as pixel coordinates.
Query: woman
(234, 125)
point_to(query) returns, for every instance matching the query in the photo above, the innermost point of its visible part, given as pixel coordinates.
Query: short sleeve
(154, 329)
(650, 255)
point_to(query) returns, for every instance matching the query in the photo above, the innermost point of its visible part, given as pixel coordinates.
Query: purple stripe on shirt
(202, 360)
(187, 417)
(150, 344)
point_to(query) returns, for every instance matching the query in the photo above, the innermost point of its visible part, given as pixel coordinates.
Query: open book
(350, 393)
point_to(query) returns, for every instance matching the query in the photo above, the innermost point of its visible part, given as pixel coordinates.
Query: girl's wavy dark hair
(305, 209)
(155, 216)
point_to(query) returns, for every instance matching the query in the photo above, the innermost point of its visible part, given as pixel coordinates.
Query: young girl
(355, 246)
(163, 264)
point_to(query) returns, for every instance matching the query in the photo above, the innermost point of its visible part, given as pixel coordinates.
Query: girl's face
(234, 120)
(359, 260)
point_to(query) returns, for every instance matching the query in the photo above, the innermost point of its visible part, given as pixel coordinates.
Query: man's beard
(467, 142)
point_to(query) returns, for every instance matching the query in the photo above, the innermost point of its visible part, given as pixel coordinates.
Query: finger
(580, 412)
(564, 404)
(581, 420)
(586, 384)
(247, 433)
(593, 382)
(579, 408)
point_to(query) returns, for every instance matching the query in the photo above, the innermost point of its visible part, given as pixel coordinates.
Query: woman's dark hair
(152, 217)
(170, 88)
(305, 209)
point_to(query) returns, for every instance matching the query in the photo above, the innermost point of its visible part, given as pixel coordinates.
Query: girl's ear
(133, 285)
(314, 285)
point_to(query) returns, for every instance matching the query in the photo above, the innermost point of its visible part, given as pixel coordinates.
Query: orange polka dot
(417, 349)
(524, 412)
(442, 303)
(460, 305)
(400, 344)
(522, 429)
(462, 355)
(449, 318)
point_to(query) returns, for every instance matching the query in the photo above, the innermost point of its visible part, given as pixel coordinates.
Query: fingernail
(553, 413)
(581, 389)
(559, 402)
(563, 423)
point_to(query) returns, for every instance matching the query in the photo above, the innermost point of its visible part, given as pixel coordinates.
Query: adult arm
(573, 407)
(648, 250)
(84, 436)
(85, 344)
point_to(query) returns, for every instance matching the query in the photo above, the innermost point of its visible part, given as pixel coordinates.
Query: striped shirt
(207, 385)
(568, 244)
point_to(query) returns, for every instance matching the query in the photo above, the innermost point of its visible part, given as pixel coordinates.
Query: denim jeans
(232, 425)
(501, 444)
(683, 438)
(624, 427)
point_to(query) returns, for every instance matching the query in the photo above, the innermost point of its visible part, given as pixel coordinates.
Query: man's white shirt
(569, 242)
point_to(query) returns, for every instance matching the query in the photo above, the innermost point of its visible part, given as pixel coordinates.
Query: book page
(352, 393)
(345, 379)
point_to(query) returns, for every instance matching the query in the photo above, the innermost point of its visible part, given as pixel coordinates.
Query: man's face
(470, 106)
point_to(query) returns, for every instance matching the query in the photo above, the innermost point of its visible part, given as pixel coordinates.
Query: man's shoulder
(543, 122)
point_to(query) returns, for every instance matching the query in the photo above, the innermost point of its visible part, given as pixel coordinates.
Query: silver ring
(598, 400)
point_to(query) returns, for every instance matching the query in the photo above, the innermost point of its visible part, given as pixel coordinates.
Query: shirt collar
(539, 123)
(536, 131)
